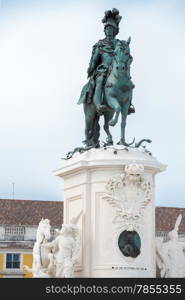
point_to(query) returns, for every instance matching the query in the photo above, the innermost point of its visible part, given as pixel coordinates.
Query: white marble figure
(170, 255)
(65, 248)
(42, 236)
(59, 257)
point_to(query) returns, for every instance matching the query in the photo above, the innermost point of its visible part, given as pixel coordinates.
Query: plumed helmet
(112, 18)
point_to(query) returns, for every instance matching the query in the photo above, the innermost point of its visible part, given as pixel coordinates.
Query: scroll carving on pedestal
(129, 192)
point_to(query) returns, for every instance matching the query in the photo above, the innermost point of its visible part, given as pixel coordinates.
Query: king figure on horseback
(100, 67)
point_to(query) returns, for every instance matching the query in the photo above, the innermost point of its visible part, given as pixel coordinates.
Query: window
(12, 261)
(14, 230)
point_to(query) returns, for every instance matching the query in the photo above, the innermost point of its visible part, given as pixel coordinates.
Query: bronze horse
(117, 98)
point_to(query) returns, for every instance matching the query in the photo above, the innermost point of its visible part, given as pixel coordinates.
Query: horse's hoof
(112, 123)
(109, 143)
(121, 142)
(88, 146)
(97, 145)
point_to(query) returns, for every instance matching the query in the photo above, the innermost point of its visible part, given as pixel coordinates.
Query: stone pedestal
(115, 188)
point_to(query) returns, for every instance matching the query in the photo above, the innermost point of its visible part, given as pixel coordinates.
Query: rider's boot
(131, 109)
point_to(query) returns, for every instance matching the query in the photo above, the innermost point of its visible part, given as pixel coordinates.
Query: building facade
(165, 221)
(19, 220)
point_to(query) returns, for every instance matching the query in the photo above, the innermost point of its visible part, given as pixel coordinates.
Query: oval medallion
(129, 243)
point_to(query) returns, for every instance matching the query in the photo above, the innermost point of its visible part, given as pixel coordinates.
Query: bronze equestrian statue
(108, 92)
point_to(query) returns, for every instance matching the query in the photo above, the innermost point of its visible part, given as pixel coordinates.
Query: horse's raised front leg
(113, 103)
(114, 120)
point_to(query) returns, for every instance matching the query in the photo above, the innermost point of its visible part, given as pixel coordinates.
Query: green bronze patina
(108, 92)
(129, 243)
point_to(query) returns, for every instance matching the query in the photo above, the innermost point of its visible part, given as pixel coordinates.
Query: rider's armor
(102, 55)
(100, 64)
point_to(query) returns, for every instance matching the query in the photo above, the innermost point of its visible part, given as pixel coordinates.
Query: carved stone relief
(129, 192)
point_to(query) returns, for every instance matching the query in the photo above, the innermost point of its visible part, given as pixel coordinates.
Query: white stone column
(88, 178)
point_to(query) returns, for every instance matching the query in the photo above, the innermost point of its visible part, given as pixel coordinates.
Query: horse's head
(44, 229)
(122, 58)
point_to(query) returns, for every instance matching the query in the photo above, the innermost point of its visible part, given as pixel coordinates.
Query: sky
(45, 48)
